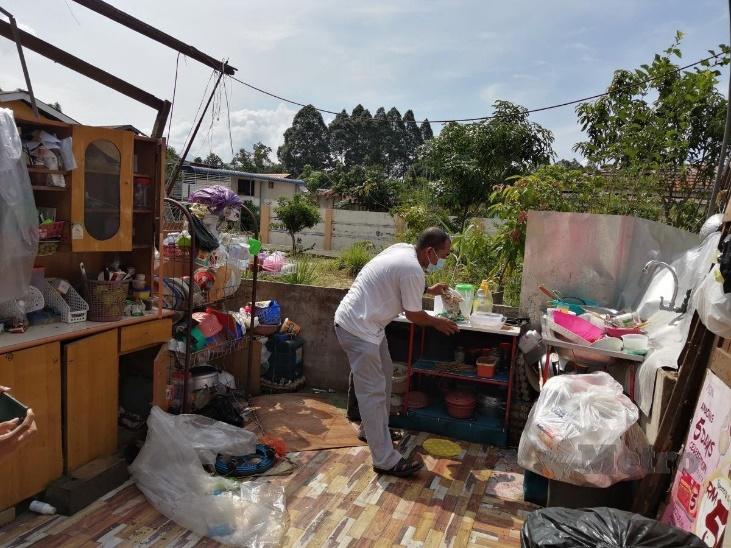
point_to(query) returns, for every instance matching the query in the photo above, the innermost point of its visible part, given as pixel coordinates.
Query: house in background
(21, 103)
(258, 188)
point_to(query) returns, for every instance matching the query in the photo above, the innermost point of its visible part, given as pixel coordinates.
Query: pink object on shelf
(582, 328)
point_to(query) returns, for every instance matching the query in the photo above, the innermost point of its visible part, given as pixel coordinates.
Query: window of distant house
(246, 187)
(271, 184)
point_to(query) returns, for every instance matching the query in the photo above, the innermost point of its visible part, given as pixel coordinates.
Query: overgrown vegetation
(305, 272)
(355, 257)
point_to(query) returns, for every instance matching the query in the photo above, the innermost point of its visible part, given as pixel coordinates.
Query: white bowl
(486, 319)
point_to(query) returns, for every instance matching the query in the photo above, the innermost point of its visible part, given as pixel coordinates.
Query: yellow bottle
(483, 299)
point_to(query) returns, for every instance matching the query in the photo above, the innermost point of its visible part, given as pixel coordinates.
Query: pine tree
(306, 142)
(426, 132)
(381, 134)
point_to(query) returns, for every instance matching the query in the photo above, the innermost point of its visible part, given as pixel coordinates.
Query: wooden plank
(677, 415)
(82, 67)
(34, 375)
(135, 24)
(160, 377)
(144, 335)
(91, 395)
(720, 364)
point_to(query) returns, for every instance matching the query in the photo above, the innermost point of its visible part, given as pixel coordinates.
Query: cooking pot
(203, 376)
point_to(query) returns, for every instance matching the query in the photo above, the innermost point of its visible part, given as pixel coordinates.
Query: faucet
(671, 307)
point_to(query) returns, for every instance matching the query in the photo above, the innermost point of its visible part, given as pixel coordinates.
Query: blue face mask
(434, 267)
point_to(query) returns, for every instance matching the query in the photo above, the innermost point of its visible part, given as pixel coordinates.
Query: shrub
(354, 258)
(305, 272)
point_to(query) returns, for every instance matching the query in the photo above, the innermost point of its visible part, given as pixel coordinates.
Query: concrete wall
(338, 229)
(313, 308)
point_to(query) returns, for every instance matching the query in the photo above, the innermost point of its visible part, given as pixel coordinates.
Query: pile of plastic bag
(169, 471)
(583, 431)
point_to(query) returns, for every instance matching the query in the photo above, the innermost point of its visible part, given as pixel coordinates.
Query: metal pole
(16, 37)
(171, 182)
(727, 130)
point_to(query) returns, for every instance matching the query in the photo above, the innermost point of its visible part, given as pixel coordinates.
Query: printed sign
(77, 232)
(700, 498)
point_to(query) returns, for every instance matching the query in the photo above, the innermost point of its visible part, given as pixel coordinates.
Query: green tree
(426, 131)
(366, 187)
(214, 160)
(262, 159)
(659, 119)
(396, 144)
(341, 137)
(362, 137)
(379, 135)
(306, 142)
(316, 179)
(414, 139)
(243, 161)
(468, 160)
(171, 161)
(295, 214)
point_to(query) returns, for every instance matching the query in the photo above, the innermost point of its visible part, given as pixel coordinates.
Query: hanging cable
(228, 116)
(200, 105)
(478, 118)
(172, 103)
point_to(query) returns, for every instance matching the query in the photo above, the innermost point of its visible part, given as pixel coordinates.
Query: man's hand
(14, 435)
(438, 289)
(443, 325)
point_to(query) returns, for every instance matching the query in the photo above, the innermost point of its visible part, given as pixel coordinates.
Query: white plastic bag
(169, 472)
(582, 430)
(712, 305)
(18, 214)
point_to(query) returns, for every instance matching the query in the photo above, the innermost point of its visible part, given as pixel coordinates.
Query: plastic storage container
(460, 405)
(142, 192)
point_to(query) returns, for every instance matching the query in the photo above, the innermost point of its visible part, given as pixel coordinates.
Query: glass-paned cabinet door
(102, 186)
(101, 189)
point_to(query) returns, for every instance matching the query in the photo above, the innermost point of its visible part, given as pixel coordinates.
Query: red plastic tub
(460, 405)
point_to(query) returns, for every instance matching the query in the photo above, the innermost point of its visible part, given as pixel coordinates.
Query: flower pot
(460, 405)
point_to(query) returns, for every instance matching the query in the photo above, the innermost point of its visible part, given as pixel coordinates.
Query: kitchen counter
(59, 331)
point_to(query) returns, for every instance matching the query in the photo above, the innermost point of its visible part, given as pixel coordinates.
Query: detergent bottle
(483, 299)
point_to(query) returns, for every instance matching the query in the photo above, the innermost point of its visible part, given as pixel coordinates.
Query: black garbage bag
(600, 528)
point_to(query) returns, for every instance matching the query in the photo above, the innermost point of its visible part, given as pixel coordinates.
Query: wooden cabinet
(101, 190)
(91, 379)
(34, 374)
(144, 335)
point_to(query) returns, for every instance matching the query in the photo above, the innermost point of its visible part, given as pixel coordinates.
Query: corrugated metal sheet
(210, 172)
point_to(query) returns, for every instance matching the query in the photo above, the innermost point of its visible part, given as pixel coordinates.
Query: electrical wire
(200, 105)
(172, 103)
(228, 117)
(479, 118)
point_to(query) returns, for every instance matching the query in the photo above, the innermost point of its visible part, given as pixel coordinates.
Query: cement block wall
(313, 308)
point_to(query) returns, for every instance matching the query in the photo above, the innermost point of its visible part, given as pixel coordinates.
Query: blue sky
(443, 59)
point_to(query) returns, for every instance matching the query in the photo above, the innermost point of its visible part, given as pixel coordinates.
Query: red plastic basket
(51, 231)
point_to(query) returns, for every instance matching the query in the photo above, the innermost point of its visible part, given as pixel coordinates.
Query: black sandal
(395, 436)
(403, 469)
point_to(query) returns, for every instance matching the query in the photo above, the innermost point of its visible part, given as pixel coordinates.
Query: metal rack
(183, 295)
(492, 431)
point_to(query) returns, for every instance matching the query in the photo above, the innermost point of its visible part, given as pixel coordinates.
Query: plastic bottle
(483, 299)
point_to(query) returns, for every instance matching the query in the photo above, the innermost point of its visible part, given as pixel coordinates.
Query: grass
(354, 258)
(305, 272)
(319, 272)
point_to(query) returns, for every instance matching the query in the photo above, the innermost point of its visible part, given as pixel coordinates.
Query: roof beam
(82, 67)
(107, 10)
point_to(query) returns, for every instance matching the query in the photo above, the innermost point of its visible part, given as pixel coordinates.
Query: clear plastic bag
(169, 471)
(712, 305)
(18, 214)
(583, 431)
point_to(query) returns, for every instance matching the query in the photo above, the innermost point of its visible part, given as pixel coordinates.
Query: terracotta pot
(460, 405)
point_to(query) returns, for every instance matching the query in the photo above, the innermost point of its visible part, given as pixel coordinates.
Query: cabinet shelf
(142, 175)
(46, 171)
(143, 210)
(49, 188)
(102, 210)
(101, 172)
(429, 367)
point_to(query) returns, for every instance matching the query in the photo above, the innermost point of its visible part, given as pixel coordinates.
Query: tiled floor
(333, 499)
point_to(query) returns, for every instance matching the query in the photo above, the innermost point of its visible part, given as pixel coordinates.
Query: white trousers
(372, 373)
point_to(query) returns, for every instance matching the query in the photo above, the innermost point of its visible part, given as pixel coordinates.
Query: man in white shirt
(394, 281)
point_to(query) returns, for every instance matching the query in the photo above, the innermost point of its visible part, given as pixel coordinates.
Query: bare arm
(421, 318)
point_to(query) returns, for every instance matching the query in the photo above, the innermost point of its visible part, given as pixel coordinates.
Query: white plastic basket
(31, 302)
(72, 309)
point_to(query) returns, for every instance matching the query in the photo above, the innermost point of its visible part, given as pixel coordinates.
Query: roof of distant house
(47, 110)
(129, 127)
(198, 169)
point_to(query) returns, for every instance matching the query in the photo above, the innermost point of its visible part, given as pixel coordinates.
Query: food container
(51, 231)
(487, 319)
(467, 291)
(142, 188)
(203, 376)
(612, 344)
(486, 366)
(400, 379)
(47, 247)
(460, 404)
(636, 344)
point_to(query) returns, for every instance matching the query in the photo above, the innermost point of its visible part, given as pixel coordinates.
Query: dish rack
(72, 309)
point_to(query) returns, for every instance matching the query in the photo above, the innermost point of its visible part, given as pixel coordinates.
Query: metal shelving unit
(183, 295)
